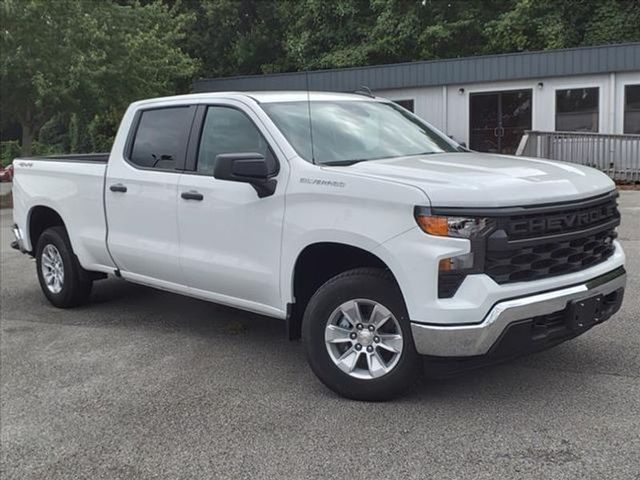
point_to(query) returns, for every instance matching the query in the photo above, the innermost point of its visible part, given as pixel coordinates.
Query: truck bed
(72, 186)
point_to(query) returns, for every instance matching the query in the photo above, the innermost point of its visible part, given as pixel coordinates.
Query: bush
(8, 151)
(41, 149)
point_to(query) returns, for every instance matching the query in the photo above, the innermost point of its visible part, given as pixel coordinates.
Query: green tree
(233, 37)
(69, 68)
(546, 24)
(251, 36)
(86, 58)
(613, 22)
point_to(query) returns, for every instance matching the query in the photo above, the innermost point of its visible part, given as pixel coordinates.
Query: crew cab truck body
(367, 230)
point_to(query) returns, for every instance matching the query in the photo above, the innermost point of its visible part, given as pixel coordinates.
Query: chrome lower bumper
(477, 339)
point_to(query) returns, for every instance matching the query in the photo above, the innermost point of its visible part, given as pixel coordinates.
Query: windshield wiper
(342, 163)
(416, 154)
(346, 163)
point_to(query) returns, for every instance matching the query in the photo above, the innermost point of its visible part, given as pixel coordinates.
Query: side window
(161, 137)
(227, 130)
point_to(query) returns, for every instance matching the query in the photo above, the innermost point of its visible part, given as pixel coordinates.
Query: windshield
(349, 131)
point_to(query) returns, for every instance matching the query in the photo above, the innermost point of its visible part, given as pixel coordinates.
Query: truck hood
(486, 180)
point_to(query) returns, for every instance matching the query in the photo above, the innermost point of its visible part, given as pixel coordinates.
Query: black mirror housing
(249, 168)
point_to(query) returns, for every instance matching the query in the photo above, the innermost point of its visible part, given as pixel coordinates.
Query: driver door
(230, 239)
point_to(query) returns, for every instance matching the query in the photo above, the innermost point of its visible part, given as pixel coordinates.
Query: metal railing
(616, 155)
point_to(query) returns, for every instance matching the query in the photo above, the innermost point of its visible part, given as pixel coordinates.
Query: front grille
(536, 242)
(550, 258)
(567, 219)
(548, 241)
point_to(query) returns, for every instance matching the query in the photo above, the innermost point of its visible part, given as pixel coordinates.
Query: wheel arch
(39, 218)
(314, 265)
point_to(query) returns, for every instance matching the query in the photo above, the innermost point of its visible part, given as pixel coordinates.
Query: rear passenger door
(141, 195)
(229, 237)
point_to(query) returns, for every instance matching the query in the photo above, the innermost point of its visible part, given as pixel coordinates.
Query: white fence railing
(616, 155)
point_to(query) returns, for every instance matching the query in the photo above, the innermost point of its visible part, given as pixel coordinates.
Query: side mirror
(249, 168)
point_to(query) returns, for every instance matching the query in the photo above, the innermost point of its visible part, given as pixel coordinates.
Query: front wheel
(358, 338)
(61, 277)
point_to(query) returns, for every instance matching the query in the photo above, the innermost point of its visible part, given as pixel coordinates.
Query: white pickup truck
(377, 238)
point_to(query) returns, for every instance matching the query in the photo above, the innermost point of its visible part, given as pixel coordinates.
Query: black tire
(77, 284)
(363, 283)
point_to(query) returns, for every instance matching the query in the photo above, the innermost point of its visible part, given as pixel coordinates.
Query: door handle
(192, 195)
(118, 187)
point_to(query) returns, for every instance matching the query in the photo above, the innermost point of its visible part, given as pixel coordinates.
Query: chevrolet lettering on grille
(554, 223)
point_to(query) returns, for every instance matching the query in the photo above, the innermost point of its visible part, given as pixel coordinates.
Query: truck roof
(263, 97)
(303, 95)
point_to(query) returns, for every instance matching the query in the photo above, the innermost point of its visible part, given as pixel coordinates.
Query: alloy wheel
(363, 339)
(52, 268)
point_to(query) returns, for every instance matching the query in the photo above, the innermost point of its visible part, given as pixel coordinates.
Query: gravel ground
(145, 384)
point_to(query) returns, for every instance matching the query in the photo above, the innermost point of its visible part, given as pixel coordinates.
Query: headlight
(459, 227)
(453, 270)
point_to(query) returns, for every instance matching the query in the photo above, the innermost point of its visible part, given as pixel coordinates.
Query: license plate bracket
(584, 313)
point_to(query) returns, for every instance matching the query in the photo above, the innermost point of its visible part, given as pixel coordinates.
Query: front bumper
(525, 324)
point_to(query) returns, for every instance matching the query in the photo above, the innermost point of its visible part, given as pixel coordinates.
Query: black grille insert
(549, 258)
(551, 241)
(540, 241)
(569, 219)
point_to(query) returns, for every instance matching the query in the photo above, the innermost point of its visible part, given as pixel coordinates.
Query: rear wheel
(357, 336)
(62, 279)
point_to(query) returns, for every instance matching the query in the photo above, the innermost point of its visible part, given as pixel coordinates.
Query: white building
(487, 102)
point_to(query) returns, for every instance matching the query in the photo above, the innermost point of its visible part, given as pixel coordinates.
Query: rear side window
(227, 130)
(161, 138)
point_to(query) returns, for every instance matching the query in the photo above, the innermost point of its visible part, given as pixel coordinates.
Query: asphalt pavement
(143, 384)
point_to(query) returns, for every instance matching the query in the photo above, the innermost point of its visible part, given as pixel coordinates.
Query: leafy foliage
(69, 68)
(544, 24)
(250, 36)
(80, 57)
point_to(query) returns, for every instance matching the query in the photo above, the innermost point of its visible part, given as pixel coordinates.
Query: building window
(408, 104)
(632, 109)
(577, 110)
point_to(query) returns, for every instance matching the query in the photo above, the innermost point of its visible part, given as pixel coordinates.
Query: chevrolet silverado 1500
(377, 238)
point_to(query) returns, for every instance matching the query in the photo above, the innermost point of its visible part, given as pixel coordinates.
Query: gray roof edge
(621, 57)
